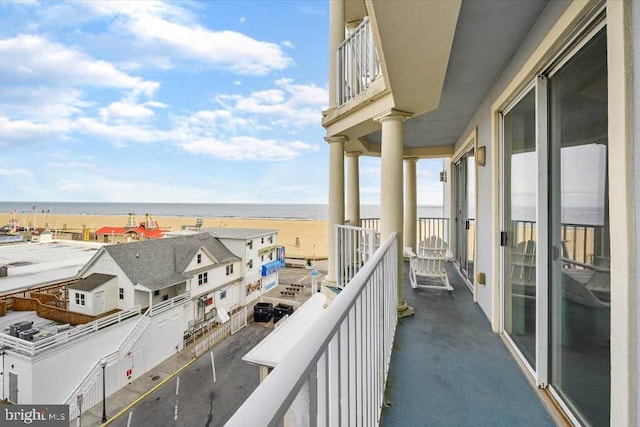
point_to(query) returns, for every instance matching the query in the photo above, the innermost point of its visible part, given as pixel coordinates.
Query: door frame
(470, 143)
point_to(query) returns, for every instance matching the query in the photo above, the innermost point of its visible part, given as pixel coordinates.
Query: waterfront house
(534, 107)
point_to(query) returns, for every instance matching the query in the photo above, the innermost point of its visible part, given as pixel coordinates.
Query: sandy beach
(306, 232)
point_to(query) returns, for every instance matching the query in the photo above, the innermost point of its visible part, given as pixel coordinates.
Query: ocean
(204, 210)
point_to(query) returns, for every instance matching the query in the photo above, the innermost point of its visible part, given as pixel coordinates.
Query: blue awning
(272, 267)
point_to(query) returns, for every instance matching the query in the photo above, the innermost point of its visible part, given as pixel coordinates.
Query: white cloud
(243, 19)
(67, 185)
(175, 28)
(248, 148)
(25, 130)
(289, 105)
(287, 43)
(126, 110)
(59, 65)
(27, 102)
(118, 133)
(14, 172)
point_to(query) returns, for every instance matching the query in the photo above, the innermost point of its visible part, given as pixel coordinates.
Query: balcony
(446, 366)
(357, 62)
(449, 368)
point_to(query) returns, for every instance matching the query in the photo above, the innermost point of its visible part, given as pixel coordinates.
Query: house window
(250, 244)
(262, 240)
(80, 299)
(121, 293)
(199, 258)
(262, 258)
(223, 294)
(270, 239)
(271, 256)
(229, 269)
(202, 278)
(156, 293)
(250, 264)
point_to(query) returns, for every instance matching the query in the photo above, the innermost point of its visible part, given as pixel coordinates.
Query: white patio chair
(429, 264)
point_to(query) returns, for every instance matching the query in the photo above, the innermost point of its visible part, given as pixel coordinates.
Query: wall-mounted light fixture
(481, 156)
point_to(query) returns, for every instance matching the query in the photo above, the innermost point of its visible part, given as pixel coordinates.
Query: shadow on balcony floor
(448, 368)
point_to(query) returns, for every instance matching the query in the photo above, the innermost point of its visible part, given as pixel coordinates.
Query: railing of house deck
(357, 63)
(336, 374)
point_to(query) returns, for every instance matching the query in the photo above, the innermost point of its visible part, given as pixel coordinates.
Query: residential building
(262, 257)
(152, 271)
(535, 105)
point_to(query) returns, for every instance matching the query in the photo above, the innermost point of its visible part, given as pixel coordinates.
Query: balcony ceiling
(487, 35)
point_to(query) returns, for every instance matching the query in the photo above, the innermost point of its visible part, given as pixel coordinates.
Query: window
(121, 293)
(80, 299)
(250, 244)
(262, 258)
(156, 293)
(250, 264)
(202, 278)
(270, 239)
(229, 269)
(262, 241)
(199, 258)
(271, 256)
(223, 294)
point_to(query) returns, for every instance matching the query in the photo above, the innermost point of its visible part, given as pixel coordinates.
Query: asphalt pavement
(192, 398)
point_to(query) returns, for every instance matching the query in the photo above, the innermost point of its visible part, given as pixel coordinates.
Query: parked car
(262, 312)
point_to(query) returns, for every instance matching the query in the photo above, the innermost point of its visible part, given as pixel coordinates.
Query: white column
(410, 203)
(391, 208)
(336, 198)
(353, 189)
(336, 36)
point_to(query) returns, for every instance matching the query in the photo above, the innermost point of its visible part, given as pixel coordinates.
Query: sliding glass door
(555, 238)
(519, 240)
(579, 237)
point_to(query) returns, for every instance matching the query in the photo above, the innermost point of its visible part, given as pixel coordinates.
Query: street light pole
(103, 363)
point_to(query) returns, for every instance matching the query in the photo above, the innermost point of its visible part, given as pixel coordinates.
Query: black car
(262, 312)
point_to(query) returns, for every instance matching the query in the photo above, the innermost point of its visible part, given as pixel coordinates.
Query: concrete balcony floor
(449, 369)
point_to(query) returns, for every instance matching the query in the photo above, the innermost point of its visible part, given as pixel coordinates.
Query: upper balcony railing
(336, 374)
(357, 63)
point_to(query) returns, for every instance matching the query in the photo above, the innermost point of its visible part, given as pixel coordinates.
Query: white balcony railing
(354, 247)
(337, 373)
(357, 63)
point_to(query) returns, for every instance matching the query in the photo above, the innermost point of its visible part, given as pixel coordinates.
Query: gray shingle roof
(91, 282)
(156, 264)
(237, 233)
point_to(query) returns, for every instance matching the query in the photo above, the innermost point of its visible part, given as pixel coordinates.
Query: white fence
(354, 247)
(29, 348)
(237, 322)
(169, 304)
(343, 363)
(357, 63)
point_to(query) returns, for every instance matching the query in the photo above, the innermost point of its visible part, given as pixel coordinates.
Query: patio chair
(429, 264)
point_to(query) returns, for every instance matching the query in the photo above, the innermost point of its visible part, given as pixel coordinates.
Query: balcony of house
(361, 366)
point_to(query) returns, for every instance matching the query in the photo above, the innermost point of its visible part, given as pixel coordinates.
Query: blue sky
(153, 101)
